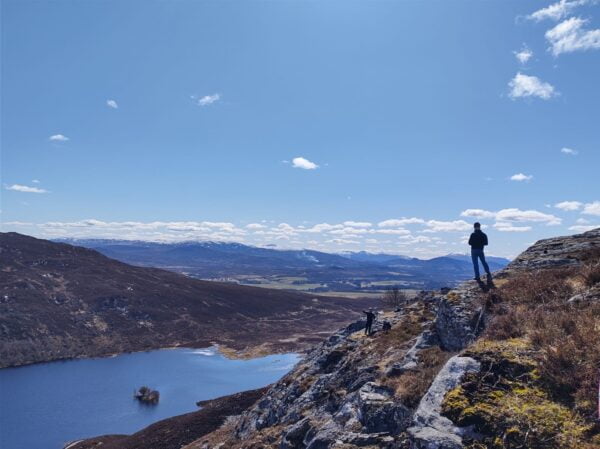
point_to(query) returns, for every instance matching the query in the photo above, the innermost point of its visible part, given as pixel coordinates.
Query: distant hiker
(477, 241)
(370, 318)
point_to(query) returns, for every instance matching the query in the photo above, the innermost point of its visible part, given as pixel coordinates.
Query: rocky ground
(437, 379)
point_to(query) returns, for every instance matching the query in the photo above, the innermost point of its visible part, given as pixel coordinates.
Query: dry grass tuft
(411, 386)
(564, 336)
(590, 274)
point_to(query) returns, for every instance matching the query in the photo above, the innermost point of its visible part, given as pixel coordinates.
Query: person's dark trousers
(476, 255)
(368, 328)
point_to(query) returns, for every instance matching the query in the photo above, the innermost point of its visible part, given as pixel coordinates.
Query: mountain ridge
(318, 271)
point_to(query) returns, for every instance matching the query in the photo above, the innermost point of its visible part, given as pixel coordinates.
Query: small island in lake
(147, 395)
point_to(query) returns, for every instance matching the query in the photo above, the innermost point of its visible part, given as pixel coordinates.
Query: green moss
(506, 403)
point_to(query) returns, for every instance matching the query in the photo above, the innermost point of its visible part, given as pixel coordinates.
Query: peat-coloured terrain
(61, 301)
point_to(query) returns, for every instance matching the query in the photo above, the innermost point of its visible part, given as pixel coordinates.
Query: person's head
(477, 225)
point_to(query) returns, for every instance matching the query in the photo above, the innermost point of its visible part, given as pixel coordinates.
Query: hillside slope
(60, 301)
(512, 367)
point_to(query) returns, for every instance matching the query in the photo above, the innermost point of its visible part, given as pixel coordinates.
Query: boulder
(431, 430)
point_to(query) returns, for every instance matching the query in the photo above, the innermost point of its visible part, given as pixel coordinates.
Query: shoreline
(257, 351)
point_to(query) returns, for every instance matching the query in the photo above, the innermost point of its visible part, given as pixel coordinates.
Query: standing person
(477, 241)
(370, 318)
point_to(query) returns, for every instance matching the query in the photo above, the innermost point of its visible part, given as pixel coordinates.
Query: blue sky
(302, 123)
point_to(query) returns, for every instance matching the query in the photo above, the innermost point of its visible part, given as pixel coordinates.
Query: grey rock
(293, 438)
(410, 360)
(556, 252)
(457, 316)
(431, 430)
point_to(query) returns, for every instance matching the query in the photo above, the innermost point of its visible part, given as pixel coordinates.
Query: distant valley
(347, 274)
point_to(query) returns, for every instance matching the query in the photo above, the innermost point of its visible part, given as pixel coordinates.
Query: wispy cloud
(519, 177)
(523, 55)
(514, 214)
(508, 227)
(207, 99)
(582, 228)
(592, 208)
(255, 226)
(25, 189)
(478, 213)
(509, 215)
(556, 11)
(300, 162)
(112, 104)
(398, 222)
(569, 36)
(447, 226)
(568, 205)
(569, 151)
(58, 138)
(358, 224)
(522, 86)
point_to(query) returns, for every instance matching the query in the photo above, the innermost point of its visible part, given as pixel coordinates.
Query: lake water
(46, 405)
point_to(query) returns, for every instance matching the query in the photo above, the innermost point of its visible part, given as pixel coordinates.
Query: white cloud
(26, 189)
(523, 55)
(513, 214)
(568, 205)
(569, 151)
(569, 36)
(447, 226)
(358, 224)
(592, 208)
(58, 138)
(323, 227)
(556, 11)
(300, 162)
(255, 226)
(582, 221)
(505, 217)
(208, 99)
(530, 86)
(521, 177)
(399, 222)
(582, 228)
(391, 231)
(112, 104)
(508, 227)
(35, 181)
(477, 213)
(349, 231)
(343, 241)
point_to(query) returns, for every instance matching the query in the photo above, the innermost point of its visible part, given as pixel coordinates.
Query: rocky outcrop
(458, 316)
(337, 384)
(557, 252)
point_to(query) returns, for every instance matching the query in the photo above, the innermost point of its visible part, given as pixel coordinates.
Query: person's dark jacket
(370, 316)
(478, 239)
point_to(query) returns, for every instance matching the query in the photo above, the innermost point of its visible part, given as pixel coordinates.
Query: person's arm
(485, 241)
(471, 240)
